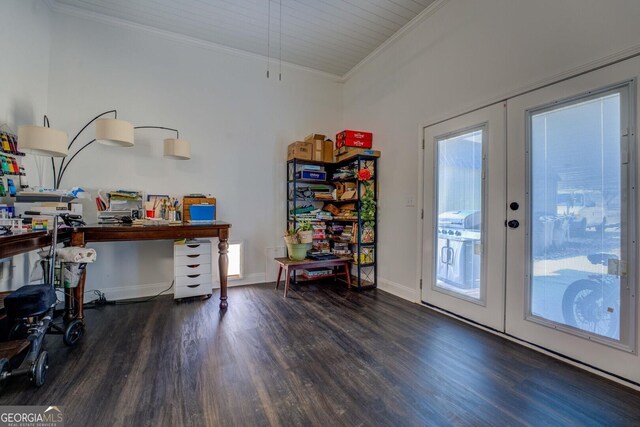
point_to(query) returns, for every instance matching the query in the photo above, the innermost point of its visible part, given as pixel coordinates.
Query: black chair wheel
(208, 296)
(18, 331)
(73, 333)
(4, 370)
(40, 369)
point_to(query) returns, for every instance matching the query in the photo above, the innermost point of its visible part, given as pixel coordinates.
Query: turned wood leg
(287, 280)
(223, 263)
(348, 273)
(279, 275)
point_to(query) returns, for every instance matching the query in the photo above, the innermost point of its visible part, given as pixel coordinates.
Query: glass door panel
(459, 193)
(576, 214)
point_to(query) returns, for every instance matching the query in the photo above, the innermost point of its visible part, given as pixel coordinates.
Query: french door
(571, 214)
(463, 229)
(530, 213)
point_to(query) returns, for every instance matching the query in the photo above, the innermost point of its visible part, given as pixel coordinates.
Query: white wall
(467, 53)
(239, 124)
(24, 75)
(25, 35)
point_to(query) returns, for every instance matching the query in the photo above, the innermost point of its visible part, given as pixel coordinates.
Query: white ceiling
(327, 35)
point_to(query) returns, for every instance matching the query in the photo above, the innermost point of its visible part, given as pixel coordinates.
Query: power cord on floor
(101, 299)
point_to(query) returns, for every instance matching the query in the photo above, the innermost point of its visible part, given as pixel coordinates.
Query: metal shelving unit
(364, 276)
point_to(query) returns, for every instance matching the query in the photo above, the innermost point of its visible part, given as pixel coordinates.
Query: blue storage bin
(202, 213)
(314, 175)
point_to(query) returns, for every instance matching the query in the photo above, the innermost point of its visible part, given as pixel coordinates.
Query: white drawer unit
(192, 259)
(194, 279)
(187, 270)
(197, 248)
(192, 269)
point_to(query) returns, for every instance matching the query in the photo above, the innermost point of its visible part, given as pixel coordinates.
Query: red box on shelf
(354, 138)
(355, 143)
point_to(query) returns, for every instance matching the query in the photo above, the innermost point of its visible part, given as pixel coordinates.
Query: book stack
(316, 273)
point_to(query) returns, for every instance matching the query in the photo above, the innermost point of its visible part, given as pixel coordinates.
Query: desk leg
(223, 263)
(279, 276)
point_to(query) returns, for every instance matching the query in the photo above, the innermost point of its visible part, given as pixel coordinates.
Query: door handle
(450, 255)
(443, 258)
(514, 223)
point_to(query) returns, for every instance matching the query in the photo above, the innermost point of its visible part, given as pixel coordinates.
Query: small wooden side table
(291, 266)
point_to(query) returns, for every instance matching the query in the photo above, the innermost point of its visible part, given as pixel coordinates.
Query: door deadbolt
(514, 206)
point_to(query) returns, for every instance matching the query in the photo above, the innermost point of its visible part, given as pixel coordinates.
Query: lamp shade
(178, 149)
(43, 141)
(114, 132)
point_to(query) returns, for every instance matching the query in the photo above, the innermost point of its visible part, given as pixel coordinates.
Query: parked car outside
(584, 207)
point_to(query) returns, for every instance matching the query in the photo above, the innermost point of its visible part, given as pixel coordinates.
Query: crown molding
(176, 37)
(428, 12)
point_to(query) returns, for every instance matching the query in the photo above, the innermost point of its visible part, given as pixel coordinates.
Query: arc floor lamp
(46, 141)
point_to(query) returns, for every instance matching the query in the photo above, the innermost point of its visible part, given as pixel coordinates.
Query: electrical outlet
(410, 201)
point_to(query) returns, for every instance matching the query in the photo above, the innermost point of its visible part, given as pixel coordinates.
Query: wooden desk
(287, 265)
(17, 244)
(125, 233)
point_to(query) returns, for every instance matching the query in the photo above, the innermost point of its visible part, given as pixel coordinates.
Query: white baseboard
(248, 279)
(151, 289)
(132, 291)
(399, 290)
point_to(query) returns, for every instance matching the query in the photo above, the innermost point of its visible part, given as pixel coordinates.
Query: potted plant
(291, 236)
(367, 207)
(297, 251)
(305, 232)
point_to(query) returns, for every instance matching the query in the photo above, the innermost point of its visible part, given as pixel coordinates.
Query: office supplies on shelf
(196, 199)
(12, 188)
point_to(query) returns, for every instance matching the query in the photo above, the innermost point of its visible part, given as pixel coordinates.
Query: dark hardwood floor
(323, 357)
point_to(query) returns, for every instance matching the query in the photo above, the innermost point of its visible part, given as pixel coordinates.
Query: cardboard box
(300, 150)
(318, 150)
(315, 136)
(331, 208)
(327, 156)
(348, 154)
(345, 187)
(344, 150)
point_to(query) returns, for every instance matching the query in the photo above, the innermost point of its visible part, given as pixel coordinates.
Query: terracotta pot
(305, 236)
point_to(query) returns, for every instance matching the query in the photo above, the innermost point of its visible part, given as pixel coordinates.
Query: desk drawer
(193, 248)
(193, 279)
(192, 259)
(191, 269)
(192, 290)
